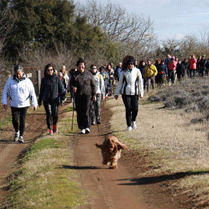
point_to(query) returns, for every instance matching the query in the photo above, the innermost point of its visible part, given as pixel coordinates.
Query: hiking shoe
(87, 130)
(16, 136)
(98, 122)
(134, 126)
(50, 132)
(55, 128)
(83, 131)
(129, 128)
(21, 139)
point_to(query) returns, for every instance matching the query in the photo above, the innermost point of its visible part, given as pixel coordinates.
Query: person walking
(20, 90)
(51, 89)
(172, 70)
(84, 88)
(131, 87)
(192, 65)
(100, 95)
(150, 73)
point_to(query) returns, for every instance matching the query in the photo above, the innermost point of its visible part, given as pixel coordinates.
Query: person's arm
(102, 87)
(42, 89)
(119, 87)
(5, 95)
(93, 87)
(140, 84)
(33, 95)
(61, 90)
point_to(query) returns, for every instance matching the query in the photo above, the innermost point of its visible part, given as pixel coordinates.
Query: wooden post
(38, 80)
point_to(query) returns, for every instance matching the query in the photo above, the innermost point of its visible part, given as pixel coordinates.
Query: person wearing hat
(84, 89)
(192, 65)
(20, 90)
(130, 85)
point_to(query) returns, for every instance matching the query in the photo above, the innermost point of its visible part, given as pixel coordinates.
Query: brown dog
(111, 150)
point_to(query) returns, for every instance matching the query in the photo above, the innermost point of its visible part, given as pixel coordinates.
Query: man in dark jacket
(83, 86)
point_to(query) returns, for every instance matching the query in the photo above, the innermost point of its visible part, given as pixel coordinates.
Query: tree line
(35, 32)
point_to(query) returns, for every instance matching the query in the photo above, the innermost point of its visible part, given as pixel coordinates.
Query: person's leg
(98, 108)
(134, 106)
(23, 112)
(55, 115)
(15, 114)
(48, 110)
(127, 103)
(93, 113)
(79, 106)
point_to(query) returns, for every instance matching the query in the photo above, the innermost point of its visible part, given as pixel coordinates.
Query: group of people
(89, 87)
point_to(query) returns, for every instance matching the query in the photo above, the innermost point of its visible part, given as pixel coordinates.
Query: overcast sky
(173, 19)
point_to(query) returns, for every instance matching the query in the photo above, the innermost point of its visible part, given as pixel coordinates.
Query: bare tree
(117, 22)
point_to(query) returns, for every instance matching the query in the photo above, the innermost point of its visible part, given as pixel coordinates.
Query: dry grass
(175, 144)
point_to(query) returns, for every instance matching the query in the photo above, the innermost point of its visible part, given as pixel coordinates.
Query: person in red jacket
(192, 65)
(172, 70)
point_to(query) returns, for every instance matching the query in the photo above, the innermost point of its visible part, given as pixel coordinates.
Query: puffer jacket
(150, 71)
(130, 83)
(193, 64)
(19, 92)
(51, 89)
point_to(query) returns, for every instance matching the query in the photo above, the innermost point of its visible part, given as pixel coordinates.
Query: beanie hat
(130, 60)
(18, 68)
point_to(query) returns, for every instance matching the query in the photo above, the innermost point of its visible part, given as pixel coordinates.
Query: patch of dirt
(125, 187)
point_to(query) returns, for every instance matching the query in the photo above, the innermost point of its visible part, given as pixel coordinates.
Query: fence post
(38, 80)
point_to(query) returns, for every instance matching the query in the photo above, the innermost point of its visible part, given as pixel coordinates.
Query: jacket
(150, 71)
(51, 88)
(99, 83)
(19, 92)
(130, 83)
(192, 64)
(172, 65)
(84, 82)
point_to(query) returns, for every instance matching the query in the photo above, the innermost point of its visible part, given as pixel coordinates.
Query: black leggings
(131, 105)
(51, 113)
(16, 113)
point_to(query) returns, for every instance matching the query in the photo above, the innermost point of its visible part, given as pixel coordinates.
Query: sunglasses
(94, 68)
(130, 63)
(51, 69)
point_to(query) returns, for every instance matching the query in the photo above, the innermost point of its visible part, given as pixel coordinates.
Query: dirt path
(116, 189)
(112, 189)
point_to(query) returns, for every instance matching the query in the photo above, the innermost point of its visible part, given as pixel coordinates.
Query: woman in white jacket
(20, 91)
(130, 85)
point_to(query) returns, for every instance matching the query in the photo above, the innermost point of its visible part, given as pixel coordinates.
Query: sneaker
(134, 126)
(16, 136)
(129, 128)
(83, 131)
(21, 139)
(50, 132)
(93, 123)
(87, 130)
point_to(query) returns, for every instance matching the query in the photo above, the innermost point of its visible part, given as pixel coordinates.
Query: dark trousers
(51, 113)
(131, 105)
(83, 108)
(16, 114)
(96, 109)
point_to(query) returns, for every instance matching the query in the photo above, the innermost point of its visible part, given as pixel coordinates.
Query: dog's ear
(121, 146)
(98, 145)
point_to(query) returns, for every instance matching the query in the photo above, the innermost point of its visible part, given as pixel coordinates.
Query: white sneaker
(134, 126)
(21, 139)
(83, 131)
(129, 128)
(16, 136)
(87, 130)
